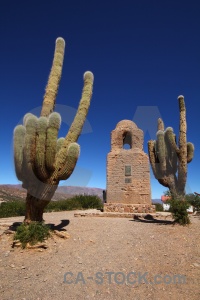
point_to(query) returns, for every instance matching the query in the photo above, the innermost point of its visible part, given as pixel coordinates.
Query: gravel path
(104, 258)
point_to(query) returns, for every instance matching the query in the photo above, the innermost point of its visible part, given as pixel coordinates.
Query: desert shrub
(32, 233)
(158, 206)
(89, 201)
(178, 208)
(61, 205)
(76, 202)
(12, 209)
(17, 208)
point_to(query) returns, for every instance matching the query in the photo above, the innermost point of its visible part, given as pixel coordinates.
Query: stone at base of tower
(129, 208)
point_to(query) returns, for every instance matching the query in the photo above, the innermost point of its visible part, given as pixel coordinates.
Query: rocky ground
(104, 258)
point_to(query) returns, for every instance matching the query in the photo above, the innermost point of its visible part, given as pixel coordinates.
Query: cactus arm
(152, 156)
(77, 124)
(161, 151)
(154, 161)
(171, 138)
(60, 142)
(39, 164)
(172, 150)
(19, 138)
(54, 79)
(26, 116)
(30, 142)
(160, 124)
(71, 160)
(190, 152)
(162, 159)
(51, 141)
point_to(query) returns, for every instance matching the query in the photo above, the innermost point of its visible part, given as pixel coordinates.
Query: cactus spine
(41, 159)
(169, 160)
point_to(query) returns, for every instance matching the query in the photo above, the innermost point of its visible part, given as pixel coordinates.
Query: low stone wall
(129, 208)
(155, 216)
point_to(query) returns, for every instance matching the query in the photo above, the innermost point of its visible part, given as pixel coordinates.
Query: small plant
(178, 208)
(32, 233)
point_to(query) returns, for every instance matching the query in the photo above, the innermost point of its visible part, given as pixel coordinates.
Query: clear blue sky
(143, 54)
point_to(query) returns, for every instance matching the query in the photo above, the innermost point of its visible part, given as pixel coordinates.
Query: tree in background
(194, 200)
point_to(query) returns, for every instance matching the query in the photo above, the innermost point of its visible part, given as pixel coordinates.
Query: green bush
(12, 209)
(32, 233)
(159, 206)
(89, 201)
(76, 202)
(17, 208)
(62, 205)
(178, 208)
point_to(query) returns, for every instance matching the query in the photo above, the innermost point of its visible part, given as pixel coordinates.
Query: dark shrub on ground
(32, 233)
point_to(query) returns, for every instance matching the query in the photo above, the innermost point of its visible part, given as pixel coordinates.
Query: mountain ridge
(16, 191)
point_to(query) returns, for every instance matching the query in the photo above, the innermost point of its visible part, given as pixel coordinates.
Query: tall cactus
(41, 159)
(169, 160)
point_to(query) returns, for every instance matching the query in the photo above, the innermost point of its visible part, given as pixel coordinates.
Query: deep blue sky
(143, 55)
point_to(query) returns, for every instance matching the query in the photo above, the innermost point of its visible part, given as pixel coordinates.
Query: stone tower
(128, 171)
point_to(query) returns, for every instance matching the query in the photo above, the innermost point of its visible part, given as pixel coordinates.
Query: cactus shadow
(150, 219)
(14, 226)
(59, 227)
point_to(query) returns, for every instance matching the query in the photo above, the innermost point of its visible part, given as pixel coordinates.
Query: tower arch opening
(127, 140)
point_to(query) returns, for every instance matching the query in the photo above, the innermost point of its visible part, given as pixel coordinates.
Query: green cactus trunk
(35, 205)
(41, 159)
(34, 209)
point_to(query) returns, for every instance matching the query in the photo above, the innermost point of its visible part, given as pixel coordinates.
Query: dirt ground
(104, 258)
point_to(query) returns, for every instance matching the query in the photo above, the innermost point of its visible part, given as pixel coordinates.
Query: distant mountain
(156, 201)
(11, 192)
(15, 191)
(78, 190)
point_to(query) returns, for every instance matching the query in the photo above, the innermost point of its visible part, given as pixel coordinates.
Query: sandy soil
(104, 258)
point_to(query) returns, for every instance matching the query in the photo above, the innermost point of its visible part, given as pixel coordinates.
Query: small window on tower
(127, 180)
(127, 170)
